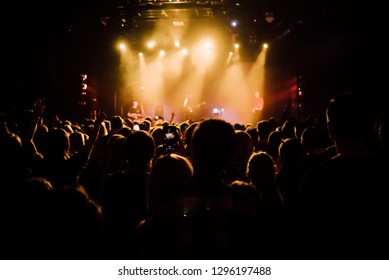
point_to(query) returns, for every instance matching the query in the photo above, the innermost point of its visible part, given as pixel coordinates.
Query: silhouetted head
(244, 147)
(77, 141)
(139, 149)
(188, 138)
(253, 133)
(287, 130)
(263, 129)
(57, 143)
(117, 122)
(213, 144)
(170, 177)
(260, 170)
(291, 153)
(273, 143)
(157, 134)
(311, 138)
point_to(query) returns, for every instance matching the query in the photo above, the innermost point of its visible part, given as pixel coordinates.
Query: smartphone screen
(170, 139)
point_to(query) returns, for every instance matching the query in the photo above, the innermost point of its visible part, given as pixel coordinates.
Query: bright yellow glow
(265, 45)
(208, 44)
(235, 94)
(202, 54)
(122, 46)
(184, 52)
(151, 44)
(178, 23)
(197, 71)
(256, 80)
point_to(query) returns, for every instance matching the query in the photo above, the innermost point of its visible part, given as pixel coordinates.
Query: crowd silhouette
(278, 189)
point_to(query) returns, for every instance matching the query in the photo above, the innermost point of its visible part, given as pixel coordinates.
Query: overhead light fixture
(234, 23)
(178, 23)
(151, 44)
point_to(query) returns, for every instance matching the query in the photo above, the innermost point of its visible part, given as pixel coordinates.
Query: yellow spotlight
(122, 46)
(177, 44)
(140, 54)
(236, 46)
(162, 53)
(231, 53)
(184, 51)
(265, 45)
(208, 45)
(151, 44)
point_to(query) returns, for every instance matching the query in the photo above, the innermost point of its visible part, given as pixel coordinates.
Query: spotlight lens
(234, 23)
(122, 46)
(265, 45)
(151, 44)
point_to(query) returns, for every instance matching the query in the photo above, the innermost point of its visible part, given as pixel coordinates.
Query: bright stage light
(177, 44)
(184, 51)
(236, 46)
(231, 53)
(151, 44)
(162, 53)
(234, 23)
(178, 23)
(122, 47)
(140, 54)
(217, 111)
(265, 45)
(207, 45)
(202, 53)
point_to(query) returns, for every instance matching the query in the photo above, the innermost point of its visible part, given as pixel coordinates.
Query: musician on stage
(136, 110)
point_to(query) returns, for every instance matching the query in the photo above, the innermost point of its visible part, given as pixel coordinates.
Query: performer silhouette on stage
(136, 110)
(192, 111)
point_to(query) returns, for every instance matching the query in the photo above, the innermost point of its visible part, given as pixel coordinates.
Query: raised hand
(39, 107)
(101, 116)
(172, 117)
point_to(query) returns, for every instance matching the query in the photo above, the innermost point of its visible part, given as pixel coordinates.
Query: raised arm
(28, 135)
(95, 133)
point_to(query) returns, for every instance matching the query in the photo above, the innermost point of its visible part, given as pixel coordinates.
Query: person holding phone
(171, 139)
